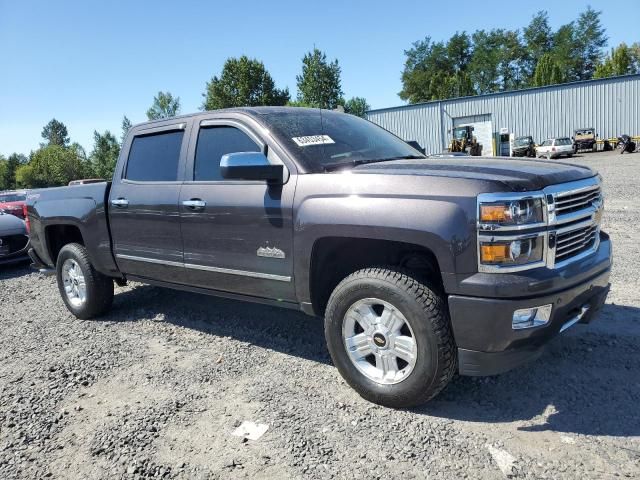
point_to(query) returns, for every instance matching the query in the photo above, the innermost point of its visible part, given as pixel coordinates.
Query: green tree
(319, 84)
(25, 177)
(498, 62)
(435, 70)
(8, 170)
(297, 103)
(52, 165)
(565, 51)
(243, 82)
(634, 52)
(459, 52)
(538, 40)
(164, 105)
(55, 133)
(126, 126)
(619, 62)
(3, 174)
(590, 40)
(104, 155)
(547, 72)
(357, 106)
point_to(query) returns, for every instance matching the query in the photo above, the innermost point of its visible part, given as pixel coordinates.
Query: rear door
(238, 235)
(143, 203)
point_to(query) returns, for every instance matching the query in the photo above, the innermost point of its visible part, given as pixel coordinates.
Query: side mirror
(250, 166)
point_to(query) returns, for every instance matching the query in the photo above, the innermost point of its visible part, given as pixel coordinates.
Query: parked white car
(555, 147)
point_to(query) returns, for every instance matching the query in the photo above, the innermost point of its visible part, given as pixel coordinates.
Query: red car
(14, 203)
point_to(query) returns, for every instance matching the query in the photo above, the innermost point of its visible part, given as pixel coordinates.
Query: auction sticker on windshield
(312, 140)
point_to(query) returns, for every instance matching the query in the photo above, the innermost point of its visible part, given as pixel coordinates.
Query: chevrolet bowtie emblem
(270, 252)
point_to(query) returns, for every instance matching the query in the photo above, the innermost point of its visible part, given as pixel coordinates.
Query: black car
(523, 147)
(14, 239)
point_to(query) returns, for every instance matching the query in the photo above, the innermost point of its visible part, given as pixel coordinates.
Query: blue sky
(88, 63)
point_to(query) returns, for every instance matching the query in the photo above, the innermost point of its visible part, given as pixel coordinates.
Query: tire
(425, 313)
(569, 155)
(98, 288)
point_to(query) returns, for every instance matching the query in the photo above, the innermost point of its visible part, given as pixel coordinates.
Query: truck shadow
(587, 381)
(279, 329)
(14, 270)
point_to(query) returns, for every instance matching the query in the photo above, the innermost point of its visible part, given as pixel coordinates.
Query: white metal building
(610, 105)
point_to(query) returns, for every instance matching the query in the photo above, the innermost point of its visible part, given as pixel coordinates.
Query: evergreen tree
(104, 155)
(547, 72)
(319, 84)
(126, 126)
(243, 82)
(55, 133)
(357, 106)
(164, 106)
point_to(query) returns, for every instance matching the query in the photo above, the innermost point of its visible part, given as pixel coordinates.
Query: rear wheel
(390, 338)
(86, 292)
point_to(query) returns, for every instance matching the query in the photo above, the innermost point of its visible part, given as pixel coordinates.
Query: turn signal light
(495, 253)
(493, 213)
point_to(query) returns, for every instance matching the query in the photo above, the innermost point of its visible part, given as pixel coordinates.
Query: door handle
(120, 202)
(194, 204)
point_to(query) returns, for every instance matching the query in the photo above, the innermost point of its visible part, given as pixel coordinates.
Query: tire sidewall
(426, 369)
(71, 252)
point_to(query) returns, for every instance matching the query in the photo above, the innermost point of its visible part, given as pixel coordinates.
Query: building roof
(635, 76)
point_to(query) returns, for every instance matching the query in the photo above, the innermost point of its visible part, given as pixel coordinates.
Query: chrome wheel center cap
(379, 340)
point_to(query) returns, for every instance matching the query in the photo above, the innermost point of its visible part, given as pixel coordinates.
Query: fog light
(531, 317)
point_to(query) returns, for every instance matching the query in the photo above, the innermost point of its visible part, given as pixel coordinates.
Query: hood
(515, 174)
(11, 225)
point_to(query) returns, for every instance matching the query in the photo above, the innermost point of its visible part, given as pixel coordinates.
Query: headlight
(512, 212)
(512, 252)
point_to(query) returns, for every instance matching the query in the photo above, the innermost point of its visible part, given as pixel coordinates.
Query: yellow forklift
(463, 141)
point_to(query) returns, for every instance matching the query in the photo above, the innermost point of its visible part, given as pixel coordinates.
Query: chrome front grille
(570, 230)
(575, 242)
(570, 202)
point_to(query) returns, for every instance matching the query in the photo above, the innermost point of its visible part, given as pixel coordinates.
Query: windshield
(563, 141)
(322, 140)
(521, 141)
(12, 197)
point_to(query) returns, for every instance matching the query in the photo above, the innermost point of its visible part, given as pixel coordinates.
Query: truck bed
(80, 211)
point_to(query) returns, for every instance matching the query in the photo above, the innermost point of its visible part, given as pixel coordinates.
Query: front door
(143, 204)
(237, 235)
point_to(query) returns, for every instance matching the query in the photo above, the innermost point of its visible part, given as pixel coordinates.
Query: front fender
(443, 227)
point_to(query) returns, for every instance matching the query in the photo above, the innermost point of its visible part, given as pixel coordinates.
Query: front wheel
(390, 338)
(86, 292)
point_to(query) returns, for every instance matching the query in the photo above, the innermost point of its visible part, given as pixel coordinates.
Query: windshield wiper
(354, 163)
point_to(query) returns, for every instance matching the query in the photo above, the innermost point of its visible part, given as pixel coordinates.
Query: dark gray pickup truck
(422, 267)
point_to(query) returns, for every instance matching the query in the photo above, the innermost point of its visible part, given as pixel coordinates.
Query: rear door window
(155, 158)
(213, 144)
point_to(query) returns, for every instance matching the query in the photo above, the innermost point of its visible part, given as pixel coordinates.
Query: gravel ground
(155, 389)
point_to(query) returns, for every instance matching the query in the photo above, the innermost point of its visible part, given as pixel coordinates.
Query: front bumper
(15, 256)
(482, 327)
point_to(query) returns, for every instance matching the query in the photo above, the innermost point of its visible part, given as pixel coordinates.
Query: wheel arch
(333, 258)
